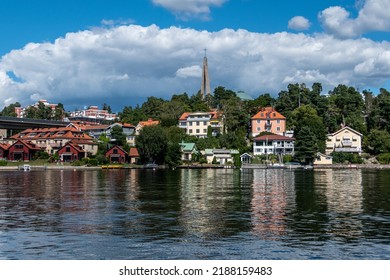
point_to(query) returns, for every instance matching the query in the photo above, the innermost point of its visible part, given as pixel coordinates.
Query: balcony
(346, 143)
(348, 150)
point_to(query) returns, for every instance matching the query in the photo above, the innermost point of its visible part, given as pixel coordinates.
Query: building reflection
(344, 199)
(273, 196)
(213, 203)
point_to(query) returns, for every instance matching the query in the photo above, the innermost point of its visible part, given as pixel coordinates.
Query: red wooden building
(22, 150)
(4, 148)
(117, 154)
(71, 152)
(133, 155)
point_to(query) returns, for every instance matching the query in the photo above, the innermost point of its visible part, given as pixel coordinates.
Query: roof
(271, 137)
(214, 114)
(28, 144)
(243, 96)
(117, 147)
(344, 128)
(74, 145)
(133, 152)
(4, 146)
(148, 122)
(268, 113)
(221, 151)
(69, 132)
(187, 146)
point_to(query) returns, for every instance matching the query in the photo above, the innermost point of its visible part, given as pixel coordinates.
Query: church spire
(205, 87)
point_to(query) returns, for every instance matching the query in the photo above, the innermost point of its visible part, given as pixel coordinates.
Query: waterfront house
(142, 124)
(22, 150)
(345, 140)
(221, 156)
(187, 150)
(246, 158)
(133, 155)
(273, 144)
(117, 154)
(4, 148)
(268, 119)
(197, 123)
(322, 159)
(71, 152)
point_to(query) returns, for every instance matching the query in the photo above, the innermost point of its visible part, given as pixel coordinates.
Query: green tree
(9, 111)
(152, 144)
(118, 135)
(306, 117)
(378, 142)
(173, 155)
(306, 145)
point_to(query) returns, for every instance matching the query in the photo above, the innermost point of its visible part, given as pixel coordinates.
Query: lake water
(195, 214)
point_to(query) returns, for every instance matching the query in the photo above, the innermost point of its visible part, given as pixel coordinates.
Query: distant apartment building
(93, 113)
(197, 123)
(95, 130)
(21, 111)
(268, 119)
(344, 140)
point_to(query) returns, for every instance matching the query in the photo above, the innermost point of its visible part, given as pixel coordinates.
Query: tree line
(309, 112)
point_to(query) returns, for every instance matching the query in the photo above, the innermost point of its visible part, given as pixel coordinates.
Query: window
(278, 121)
(197, 131)
(115, 151)
(204, 130)
(278, 128)
(197, 123)
(258, 128)
(258, 121)
(190, 123)
(67, 149)
(190, 131)
(204, 123)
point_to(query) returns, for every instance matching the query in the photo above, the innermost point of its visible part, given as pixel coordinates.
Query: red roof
(268, 113)
(4, 146)
(149, 122)
(133, 152)
(272, 137)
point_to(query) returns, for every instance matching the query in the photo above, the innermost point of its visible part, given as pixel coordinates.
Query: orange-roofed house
(197, 123)
(268, 119)
(71, 152)
(133, 155)
(142, 124)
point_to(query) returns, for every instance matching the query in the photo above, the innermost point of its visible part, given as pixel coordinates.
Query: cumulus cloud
(299, 23)
(124, 64)
(186, 9)
(373, 16)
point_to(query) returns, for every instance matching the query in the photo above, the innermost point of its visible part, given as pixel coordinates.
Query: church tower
(205, 87)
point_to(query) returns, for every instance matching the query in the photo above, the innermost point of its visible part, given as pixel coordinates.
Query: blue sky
(84, 52)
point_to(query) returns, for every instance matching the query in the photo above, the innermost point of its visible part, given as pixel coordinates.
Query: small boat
(26, 167)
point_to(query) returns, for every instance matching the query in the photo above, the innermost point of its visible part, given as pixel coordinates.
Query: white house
(222, 156)
(197, 123)
(273, 144)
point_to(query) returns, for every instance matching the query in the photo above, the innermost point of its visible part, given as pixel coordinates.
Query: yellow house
(344, 140)
(322, 159)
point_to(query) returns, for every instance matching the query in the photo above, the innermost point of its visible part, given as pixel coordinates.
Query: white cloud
(185, 9)
(121, 65)
(299, 23)
(191, 71)
(373, 16)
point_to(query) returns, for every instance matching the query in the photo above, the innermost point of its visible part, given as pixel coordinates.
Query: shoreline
(246, 166)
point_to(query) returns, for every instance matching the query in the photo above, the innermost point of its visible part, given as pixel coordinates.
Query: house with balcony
(268, 119)
(273, 144)
(197, 123)
(346, 140)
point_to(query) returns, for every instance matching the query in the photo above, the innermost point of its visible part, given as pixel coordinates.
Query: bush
(77, 163)
(101, 159)
(384, 158)
(93, 162)
(339, 157)
(3, 162)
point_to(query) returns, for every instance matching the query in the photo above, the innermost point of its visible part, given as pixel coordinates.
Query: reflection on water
(195, 214)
